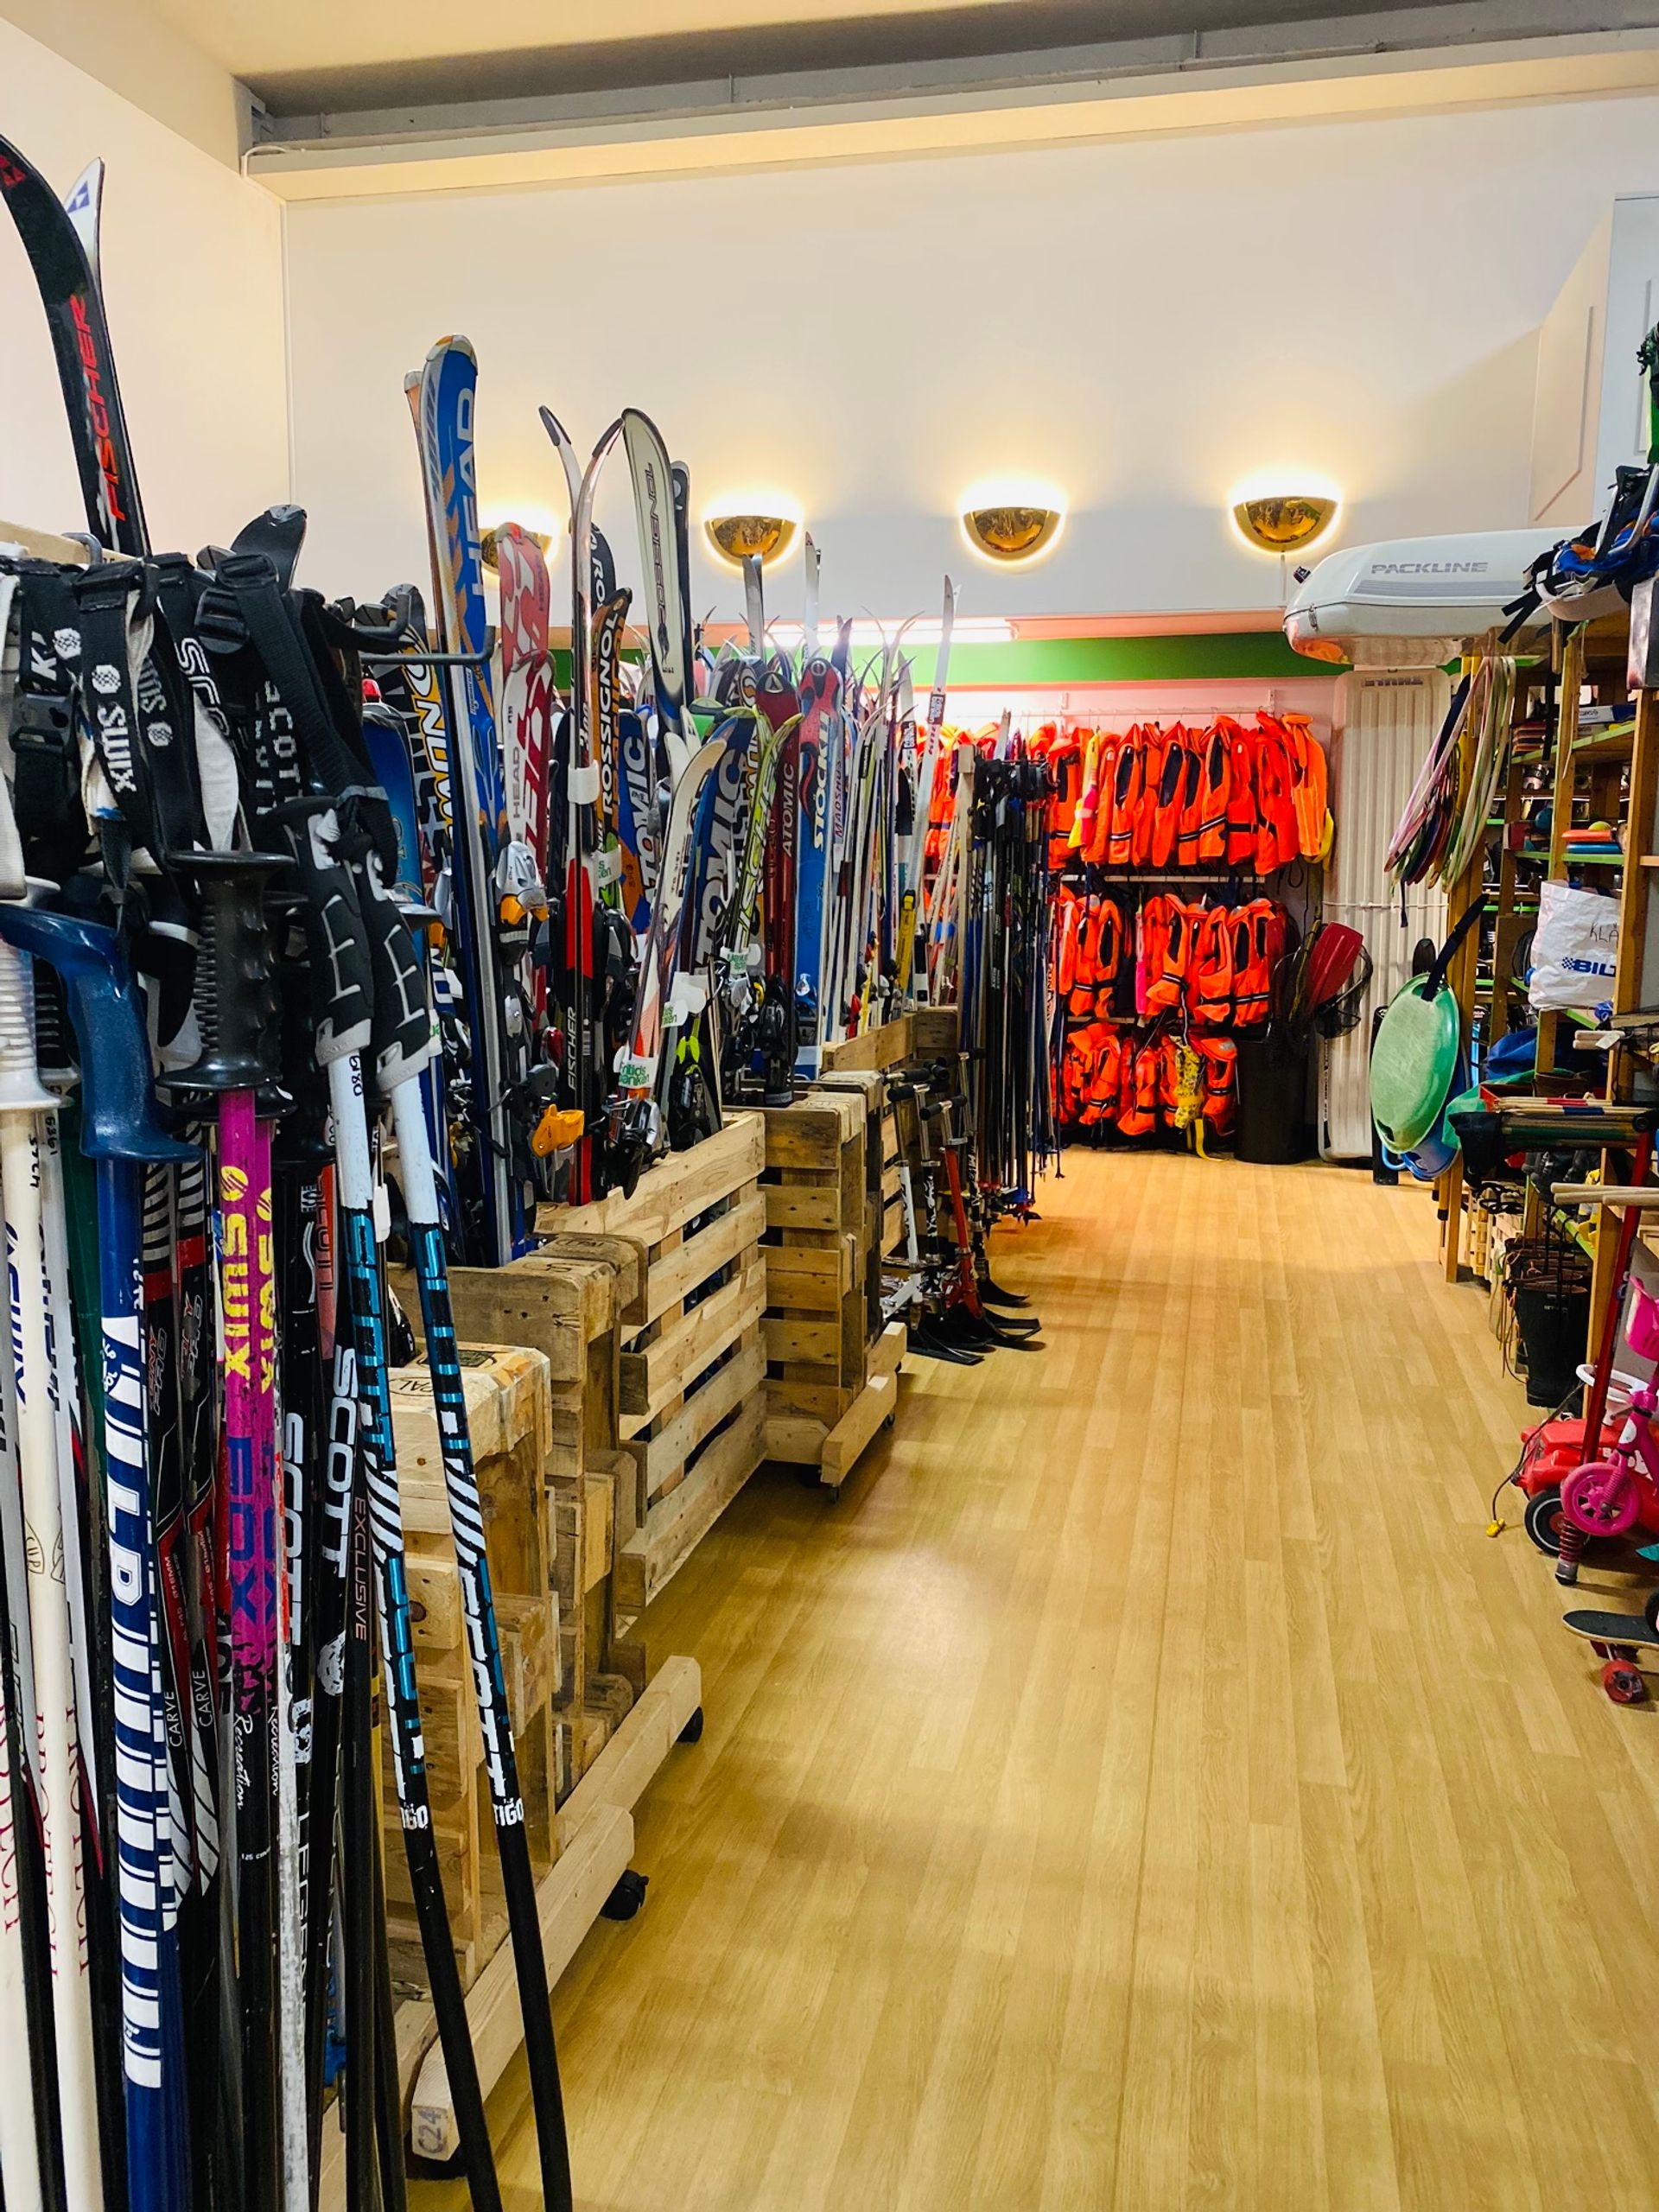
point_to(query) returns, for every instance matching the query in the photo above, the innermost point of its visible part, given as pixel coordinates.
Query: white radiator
(1385, 722)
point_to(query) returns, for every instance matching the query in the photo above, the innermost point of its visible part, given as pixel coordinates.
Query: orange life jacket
(1104, 1077)
(1064, 760)
(1152, 750)
(1068, 925)
(1215, 793)
(1108, 940)
(1137, 1112)
(1114, 828)
(1175, 930)
(1209, 969)
(1241, 817)
(1309, 795)
(1076, 1063)
(1107, 747)
(1190, 826)
(1220, 1057)
(1258, 941)
(1275, 779)
(1170, 798)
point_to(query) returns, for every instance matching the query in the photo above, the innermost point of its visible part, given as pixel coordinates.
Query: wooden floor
(1148, 1787)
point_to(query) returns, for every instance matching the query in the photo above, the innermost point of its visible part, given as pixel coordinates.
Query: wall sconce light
(1011, 521)
(1276, 519)
(751, 535)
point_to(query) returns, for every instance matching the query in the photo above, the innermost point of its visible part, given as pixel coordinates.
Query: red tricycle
(1617, 1492)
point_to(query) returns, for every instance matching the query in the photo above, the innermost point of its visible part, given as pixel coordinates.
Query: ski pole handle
(236, 1003)
(118, 1101)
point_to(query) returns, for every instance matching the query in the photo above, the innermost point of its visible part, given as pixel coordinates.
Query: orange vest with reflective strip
(1167, 985)
(1118, 819)
(1169, 797)
(1209, 969)
(1152, 768)
(1276, 841)
(1214, 790)
(1258, 940)
(1242, 818)
(1137, 1115)
(1309, 795)
(1220, 1057)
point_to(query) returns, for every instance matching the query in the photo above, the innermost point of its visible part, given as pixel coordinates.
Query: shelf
(1614, 744)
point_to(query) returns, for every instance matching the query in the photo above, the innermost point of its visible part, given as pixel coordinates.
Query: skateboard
(1616, 1638)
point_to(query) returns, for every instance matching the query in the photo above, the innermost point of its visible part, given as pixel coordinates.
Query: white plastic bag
(1575, 950)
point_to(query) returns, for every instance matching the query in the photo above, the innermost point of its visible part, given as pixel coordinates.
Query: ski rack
(46, 544)
(689, 1409)
(588, 1837)
(832, 1357)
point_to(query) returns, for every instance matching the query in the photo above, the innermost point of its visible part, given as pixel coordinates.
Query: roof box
(1422, 595)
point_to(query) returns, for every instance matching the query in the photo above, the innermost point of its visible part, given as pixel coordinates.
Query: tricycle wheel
(1542, 1521)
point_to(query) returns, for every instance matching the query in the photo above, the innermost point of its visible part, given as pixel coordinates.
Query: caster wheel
(832, 1492)
(1542, 1521)
(627, 1897)
(453, 2168)
(888, 1423)
(1623, 1683)
(692, 1732)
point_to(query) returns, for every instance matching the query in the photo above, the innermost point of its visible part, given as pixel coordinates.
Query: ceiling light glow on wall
(1010, 520)
(751, 525)
(1284, 511)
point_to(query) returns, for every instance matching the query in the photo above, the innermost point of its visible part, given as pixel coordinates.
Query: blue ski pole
(119, 1134)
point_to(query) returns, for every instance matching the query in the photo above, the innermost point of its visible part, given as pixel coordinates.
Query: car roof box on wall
(1410, 601)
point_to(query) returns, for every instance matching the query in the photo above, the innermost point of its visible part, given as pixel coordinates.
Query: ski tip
(555, 428)
(454, 343)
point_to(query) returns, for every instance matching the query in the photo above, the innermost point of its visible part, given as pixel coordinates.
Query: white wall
(1144, 321)
(191, 263)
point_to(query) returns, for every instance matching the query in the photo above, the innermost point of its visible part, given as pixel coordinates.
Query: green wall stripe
(1259, 654)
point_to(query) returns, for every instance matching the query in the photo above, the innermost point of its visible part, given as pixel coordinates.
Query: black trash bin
(1275, 1126)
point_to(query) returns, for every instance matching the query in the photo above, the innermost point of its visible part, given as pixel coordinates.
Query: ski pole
(407, 1042)
(339, 961)
(119, 1134)
(236, 1010)
(21, 2010)
(24, 1102)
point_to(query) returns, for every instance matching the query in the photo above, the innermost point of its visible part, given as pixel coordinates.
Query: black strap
(1433, 982)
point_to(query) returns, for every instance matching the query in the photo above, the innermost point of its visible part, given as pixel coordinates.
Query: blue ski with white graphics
(496, 1001)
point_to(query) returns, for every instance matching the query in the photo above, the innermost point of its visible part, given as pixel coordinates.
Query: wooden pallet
(690, 1412)
(564, 1301)
(506, 1392)
(594, 1835)
(889, 1046)
(823, 1185)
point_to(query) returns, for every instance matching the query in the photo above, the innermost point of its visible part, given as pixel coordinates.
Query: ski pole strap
(337, 941)
(404, 1037)
(109, 703)
(46, 750)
